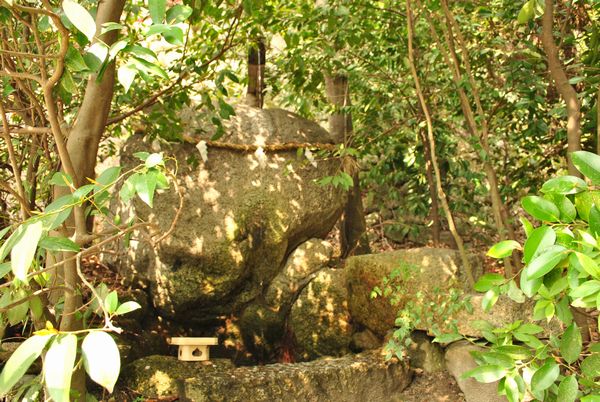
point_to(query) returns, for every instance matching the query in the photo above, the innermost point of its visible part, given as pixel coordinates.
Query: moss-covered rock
(433, 281)
(352, 378)
(320, 319)
(242, 215)
(417, 272)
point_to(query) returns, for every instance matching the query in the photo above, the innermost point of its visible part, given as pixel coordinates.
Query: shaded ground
(436, 387)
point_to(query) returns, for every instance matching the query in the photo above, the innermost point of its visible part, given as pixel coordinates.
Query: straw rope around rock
(283, 147)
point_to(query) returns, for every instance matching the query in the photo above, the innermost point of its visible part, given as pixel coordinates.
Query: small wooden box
(193, 349)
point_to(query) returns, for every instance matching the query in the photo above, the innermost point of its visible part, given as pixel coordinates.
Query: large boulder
(243, 213)
(352, 378)
(320, 319)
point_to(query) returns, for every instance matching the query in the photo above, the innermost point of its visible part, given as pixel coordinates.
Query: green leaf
(541, 208)
(529, 329)
(58, 367)
(128, 307)
(545, 262)
(584, 264)
(75, 63)
(20, 360)
(21, 255)
(4, 269)
(111, 302)
(544, 377)
(516, 352)
(157, 10)
(82, 192)
(584, 202)
(490, 298)
(591, 365)
(127, 191)
(116, 48)
(149, 68)
(503, 249)
(588, 164)
(585, 289)
(18, 313)
(61, 179)
(153, 160)
(515, 293)
(109, 176)
(57, 212)
(52, 243)
(568, 389)
(564, 185)
(447, 338)
(80, 18)
(144, 187)
(527, 226)
(142, 155)
(540, 239)
(594, 221)
(101, 359)
(570, 344)
(487, 281)
(568, 213)
(527, 13)
(178, 13)
(111, 26)
(126, 76)
(486, 373)
(563, 311)
(511, 389)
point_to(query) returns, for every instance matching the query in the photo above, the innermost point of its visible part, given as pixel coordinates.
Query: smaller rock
(459, 361)
(365, 340)
(308, 258)
(424, 354)
(504, 312)
(320, 319)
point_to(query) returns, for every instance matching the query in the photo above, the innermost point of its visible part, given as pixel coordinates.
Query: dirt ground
(435, 387)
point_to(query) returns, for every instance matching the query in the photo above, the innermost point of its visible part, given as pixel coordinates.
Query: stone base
(352, 378)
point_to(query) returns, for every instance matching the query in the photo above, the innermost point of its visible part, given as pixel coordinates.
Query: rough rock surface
(424, 354)
(243, 214)
(458, 361)
(262, 323)
(363, 377)
(320, 319)
(305, 260)
(365, 340)
(420, 269)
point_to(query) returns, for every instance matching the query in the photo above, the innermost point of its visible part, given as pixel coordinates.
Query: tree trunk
(256, 74)
(352, 224)
(479, 131)
(338, 93)
(440, 190)
(561, 81)
(82, 148)
(434, 212)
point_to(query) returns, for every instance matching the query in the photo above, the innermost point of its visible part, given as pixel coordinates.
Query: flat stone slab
(352, 378)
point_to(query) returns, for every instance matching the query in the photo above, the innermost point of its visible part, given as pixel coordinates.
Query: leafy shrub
(561, 273)
(25, 277)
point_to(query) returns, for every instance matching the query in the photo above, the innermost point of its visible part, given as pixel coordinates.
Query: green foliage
(27, 247)
(561, 271)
